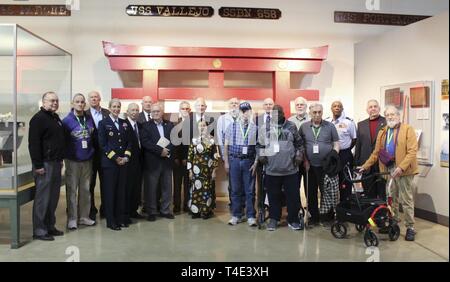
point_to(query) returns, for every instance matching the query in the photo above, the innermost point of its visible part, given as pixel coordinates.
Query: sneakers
(234, 220)
(252, 222)
(294, 226)
(87, 221)
(72, 225)
(272, 225)
(410, 234)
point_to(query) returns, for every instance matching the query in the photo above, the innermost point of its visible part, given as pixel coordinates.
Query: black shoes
(114, 227)
(136, 216)
(410, 234)
(151, 217)
(55, 232)
(167, 215)
(45, 237)
(195, 215)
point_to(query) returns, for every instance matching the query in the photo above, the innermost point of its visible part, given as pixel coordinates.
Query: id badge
(315, 148)
(276, 148)
(84, 144)
(244, 150)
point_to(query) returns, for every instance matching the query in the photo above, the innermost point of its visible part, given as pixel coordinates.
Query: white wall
(416, 52)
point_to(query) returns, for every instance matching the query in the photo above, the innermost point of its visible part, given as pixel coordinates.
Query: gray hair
(373, 100)
(46, 94)
(132, 105)
(184, 102)
(391, 107)
(315, 104)
(302, 100)
(78, 95)
(115, 100)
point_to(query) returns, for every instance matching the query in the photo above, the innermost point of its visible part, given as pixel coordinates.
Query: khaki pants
(402, 190)
(78, 176)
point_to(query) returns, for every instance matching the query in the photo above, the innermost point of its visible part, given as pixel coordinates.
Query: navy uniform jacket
(113, 142)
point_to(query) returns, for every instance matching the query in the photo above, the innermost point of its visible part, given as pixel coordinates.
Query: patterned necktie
(116, 123)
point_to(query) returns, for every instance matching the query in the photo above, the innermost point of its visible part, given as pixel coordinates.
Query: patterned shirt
(239, 137)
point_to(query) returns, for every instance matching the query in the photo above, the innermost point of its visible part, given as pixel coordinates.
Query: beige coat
(405, 150)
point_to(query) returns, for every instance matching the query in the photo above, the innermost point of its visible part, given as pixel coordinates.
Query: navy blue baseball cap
(245, 106)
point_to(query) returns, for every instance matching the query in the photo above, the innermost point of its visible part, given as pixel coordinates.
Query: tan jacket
(405, 150)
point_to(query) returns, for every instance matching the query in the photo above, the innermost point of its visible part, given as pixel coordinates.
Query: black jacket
(332, 163)
(364, 145)
(46, 138)
(152, 153)
(113, 142)
(136, 152)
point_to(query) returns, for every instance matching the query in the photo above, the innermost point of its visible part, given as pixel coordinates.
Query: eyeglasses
(185, 109)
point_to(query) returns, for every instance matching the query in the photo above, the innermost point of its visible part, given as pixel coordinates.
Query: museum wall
(416, 52)
(304, 23)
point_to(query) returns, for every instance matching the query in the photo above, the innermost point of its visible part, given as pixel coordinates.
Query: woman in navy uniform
(116, 152)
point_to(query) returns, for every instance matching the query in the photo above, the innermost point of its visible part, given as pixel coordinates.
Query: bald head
(147, 104)
(337, 108)
(268, 105)
(94, 99)
(200, 105)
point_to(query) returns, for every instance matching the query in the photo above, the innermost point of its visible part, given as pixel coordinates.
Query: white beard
(392, 123)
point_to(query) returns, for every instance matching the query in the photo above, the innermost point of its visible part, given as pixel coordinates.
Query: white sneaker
(72, 225)
(234, 220)
(252, 222)
(87, 221)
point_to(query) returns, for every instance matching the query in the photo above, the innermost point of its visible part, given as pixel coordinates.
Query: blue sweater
(76, 133)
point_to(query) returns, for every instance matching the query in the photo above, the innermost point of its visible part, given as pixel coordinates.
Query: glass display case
(29, 67)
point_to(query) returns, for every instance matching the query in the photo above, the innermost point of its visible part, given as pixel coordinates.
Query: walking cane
(307, 214)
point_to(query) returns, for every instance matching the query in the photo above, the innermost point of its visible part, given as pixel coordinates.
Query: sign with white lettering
(34, 10)
(250, 13)
(170, 11)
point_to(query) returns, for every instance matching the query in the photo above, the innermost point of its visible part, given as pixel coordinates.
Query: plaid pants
(329, 196)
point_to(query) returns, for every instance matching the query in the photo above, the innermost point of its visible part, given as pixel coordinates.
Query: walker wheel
(370, 238)
(360, 227)
(339, 230)
(394, 232)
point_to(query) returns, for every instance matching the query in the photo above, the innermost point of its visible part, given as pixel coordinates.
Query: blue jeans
(242, 187)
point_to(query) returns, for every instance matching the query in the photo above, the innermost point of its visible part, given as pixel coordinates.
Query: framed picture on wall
(415, 101)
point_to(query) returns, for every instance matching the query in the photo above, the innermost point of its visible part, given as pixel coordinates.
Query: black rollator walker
(366, 213)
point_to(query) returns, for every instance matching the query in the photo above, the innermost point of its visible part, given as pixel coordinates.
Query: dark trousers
(315, 180)
(159, 177)
(290, 184)
(345, 187)
(46, 198)
(375, 187)
(114, 182)
(96, 168)
(134, 188)
(180, 181)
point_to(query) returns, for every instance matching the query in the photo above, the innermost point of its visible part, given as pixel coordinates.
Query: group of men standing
(146, 148)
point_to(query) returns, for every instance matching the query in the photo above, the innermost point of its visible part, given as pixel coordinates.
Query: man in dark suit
(180, 173)
(200, 114)
(365, 143)
(155, 139)
(97, 113)
(145, 115)
(134, 174)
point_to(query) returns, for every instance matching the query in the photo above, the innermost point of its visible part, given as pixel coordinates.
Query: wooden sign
(170, 11)
(250, 13)
(34, 10)
(376, 18)
(420, 97)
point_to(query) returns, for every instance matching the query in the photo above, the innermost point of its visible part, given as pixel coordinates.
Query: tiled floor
(186, 239)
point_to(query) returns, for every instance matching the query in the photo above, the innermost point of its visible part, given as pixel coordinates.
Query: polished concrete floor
(185, 239)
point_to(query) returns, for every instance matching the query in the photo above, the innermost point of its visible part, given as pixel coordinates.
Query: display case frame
(33, 66)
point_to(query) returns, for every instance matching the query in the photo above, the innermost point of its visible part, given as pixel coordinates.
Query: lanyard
(83, 126)
(246, 132)
(316, 132)
(390, 136)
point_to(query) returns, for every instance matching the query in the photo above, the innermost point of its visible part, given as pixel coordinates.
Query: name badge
(244, 150)
(276, 148)
(84, 144)
(315, 148)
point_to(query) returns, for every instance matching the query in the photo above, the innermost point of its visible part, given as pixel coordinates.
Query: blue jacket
(113, 142)
(76, 133)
